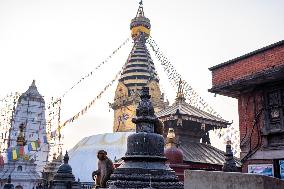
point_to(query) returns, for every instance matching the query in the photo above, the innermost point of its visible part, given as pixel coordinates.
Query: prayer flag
(21, 150)
(38, 141)
(33, 146)
(44, 139)
(26, 149)
(15, 154)
(9, 154)
(30, 147)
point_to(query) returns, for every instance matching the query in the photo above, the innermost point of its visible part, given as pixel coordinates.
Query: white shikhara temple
(30, 111)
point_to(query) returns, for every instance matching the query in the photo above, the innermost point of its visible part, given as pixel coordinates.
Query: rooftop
(279, 43)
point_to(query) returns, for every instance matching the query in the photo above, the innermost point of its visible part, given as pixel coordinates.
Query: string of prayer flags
(96, 68)
(191, 95)
(87, 107)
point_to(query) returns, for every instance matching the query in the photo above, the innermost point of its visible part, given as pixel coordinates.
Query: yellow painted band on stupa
(137, 29)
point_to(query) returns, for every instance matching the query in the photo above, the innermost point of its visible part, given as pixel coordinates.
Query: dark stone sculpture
(105, 169)
(8, 185)
(229, 164)
(144, 162)
(64, 177)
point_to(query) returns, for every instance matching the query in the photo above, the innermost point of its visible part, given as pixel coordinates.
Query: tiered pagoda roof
(140, 68)
(185, 111)
(138, 72)
(188, 112)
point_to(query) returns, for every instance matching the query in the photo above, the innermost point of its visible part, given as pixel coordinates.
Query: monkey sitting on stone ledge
(105, 169)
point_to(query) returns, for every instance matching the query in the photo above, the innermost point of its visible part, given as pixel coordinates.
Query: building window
(274, 110)
(20, 168)
(274, 115)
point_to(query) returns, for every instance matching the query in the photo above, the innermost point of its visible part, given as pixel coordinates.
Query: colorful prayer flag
(26, 149)
(30, 147)
(45, 139)
(15, 154)
(38, 141)
(9, 154)
(33, 146)
(21, 150)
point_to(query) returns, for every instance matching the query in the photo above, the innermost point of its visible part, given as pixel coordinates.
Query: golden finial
(180, 95)
(171, 138)
(140, 24)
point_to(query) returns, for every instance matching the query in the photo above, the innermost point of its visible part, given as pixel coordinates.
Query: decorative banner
(261, 169)
(281, 167)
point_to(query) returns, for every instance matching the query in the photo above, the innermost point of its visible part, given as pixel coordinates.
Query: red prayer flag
(38, 142)
(21, 150)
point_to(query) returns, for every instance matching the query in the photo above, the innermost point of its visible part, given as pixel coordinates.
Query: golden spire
(140, 24)
(180, 95)
(140, 11)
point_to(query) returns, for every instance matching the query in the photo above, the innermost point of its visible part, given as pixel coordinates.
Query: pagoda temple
(190, 128)
(30, 111)
(138, 72)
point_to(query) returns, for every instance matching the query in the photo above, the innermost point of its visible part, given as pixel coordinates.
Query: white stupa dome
(83, 156)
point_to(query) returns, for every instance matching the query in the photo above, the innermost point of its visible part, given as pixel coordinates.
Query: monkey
(105, 169)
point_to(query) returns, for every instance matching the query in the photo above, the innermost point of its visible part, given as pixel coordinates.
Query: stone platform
(222, 180)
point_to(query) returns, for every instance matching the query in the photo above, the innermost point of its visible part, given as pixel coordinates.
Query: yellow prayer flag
(33, 146)
(15, 154)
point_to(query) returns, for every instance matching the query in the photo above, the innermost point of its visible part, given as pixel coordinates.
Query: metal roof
(192, 113)
(203, 153)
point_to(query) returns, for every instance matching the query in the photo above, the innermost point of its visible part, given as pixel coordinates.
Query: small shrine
(64, 177)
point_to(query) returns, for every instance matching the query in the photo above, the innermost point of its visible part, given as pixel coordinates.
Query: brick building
(256, 79)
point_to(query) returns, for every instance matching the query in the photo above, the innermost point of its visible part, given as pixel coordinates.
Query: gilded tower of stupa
(139, 72)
